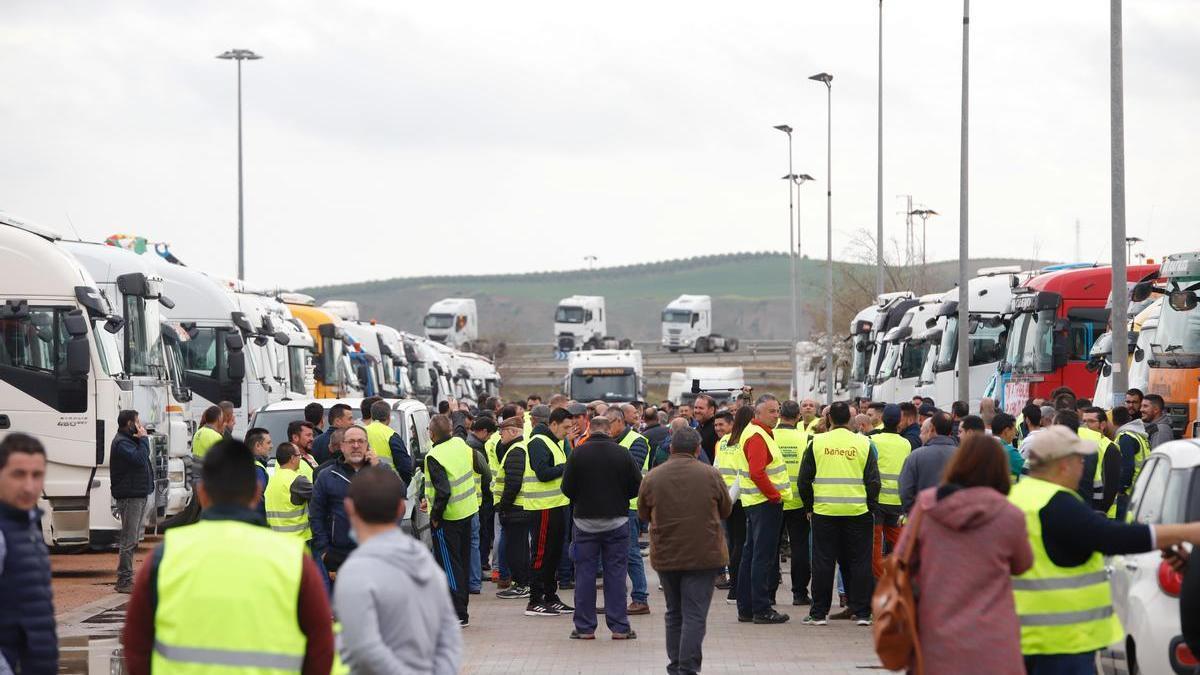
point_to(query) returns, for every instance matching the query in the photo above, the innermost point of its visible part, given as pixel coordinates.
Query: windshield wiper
(1172, 348)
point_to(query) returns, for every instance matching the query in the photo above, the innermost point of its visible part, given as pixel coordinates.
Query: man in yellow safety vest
(209, 432)
(735, 525)
(287, 495)
(839, 482)
(892, 449)
(196, 607)
(791, 441)
(386, 442)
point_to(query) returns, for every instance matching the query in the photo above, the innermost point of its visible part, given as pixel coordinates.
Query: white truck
(579, 323)
(428, 370)
(610, 375)
(453, 322)
(687, 324)
(151, 364)
(720, 382)
(989, 295)
(61, 379)
(908, 346)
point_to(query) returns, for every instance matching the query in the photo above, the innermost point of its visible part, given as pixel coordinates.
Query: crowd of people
(1007, 519)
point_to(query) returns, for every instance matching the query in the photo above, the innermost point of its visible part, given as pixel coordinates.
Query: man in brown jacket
(684, 501)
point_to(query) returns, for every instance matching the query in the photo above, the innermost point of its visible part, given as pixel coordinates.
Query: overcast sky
(395, 139)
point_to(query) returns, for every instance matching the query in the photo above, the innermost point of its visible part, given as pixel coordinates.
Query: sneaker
(463, 623)
(801, 600)
(843, 615)
(723, 583)
(771, 616)
(637, 608)
(731, 601)
(566, 585)
(631, 635)
(561, 607)
(811, 620)
(539, 610)
(744, 618)
(514, 593)
(862, 620)
(576, 635)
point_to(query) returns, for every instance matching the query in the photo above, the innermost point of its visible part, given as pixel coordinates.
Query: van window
(1150, 502)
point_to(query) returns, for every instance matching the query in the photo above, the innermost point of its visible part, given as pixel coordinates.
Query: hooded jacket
(1159, 431)
(394, 607)
(923, 468)
(970, 542)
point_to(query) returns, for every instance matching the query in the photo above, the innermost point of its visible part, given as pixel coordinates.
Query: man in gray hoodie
(923, 468)
(391, 597)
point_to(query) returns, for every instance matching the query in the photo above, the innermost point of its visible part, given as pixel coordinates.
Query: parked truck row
(89, 329)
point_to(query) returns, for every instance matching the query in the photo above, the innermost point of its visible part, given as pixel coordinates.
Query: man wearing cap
(1064, 601)
(923, 468)
(893, 449)
(514, 517)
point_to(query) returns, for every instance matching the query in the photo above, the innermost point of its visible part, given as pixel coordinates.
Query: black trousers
(795, 523)
(844, 541)
(735, 539)
(545, 551)
(516, 546)
(486, 531)
(452, 548)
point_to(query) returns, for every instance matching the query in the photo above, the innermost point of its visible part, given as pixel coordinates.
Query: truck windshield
(204, 354)
(439, 321)
(888, 367)
(565, 314)
(1178, 335)
(298, 359)
(861, 358)
(107, 349)
(677, 316)
(927, 371)
(1031, 343)
(331, 354)
(603, 387)
(143, 354)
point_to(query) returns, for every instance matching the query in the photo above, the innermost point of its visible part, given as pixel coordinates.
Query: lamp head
(784, 128)
(822, 77)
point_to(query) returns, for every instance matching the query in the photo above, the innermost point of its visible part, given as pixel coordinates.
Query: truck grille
(1178, 415)
(158, 459)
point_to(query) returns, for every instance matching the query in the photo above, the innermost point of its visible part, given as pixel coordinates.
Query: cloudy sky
(390, 139)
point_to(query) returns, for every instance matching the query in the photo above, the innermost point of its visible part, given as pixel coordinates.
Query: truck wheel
(185, 517)
(701, 345)
(625, 343)
(731, 344)
(672, 349)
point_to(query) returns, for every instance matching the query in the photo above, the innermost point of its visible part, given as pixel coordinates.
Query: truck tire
(731, 344)
(701, 345)
(673, 349)
(625, 343)
(185, 517)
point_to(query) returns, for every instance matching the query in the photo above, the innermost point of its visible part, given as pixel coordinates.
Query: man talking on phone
(132, 481)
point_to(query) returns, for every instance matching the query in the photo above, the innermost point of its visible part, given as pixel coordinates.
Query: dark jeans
(846, 542)
(131, 511)
(688, 595)
(486, 531)
(514, 535)
(760, 558)
(795, 523)
(1061, 664)
(593, 549)
(545, 550)
(735, 539)
(566, 566)
(452, 549)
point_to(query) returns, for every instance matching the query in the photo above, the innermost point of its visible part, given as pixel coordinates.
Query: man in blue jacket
(132, 481)
(331, 542)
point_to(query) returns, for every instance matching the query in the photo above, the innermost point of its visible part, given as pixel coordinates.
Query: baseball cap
(577, 409)
(512, 423)
(1055, 442)
(540, 412)
(927, 410)
(891, 414)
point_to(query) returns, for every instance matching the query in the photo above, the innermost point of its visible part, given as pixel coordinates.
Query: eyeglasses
(354, 442)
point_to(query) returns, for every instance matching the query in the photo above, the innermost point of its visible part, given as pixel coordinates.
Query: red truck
(1054, 318)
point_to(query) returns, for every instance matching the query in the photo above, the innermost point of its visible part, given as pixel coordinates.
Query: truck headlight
(687, 343)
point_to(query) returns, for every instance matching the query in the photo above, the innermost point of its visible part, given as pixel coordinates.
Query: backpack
(894, 606)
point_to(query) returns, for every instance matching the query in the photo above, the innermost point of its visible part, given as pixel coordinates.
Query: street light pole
(240, 55)
(964, 315)
(827, 79)
(879, 174)
(790, 178)
(1120, 297)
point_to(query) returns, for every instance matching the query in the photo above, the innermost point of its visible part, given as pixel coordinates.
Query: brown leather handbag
(895, 609)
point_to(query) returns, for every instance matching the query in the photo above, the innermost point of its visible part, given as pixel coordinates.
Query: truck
(720, 382)
(61, 379)
(1100, 358)
(428, 370)
(908, 347)
(453, 322)
(579, 323)
(810, 370)
(890, 309)
(610, 375)
(989, 295)
(1174, 356)
(687, 324)
(151, 365)
(1055, 318)
(333, 371)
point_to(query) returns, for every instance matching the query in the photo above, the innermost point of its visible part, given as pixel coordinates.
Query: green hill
(750, 294)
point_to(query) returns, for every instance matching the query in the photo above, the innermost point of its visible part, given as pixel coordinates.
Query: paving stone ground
(502, 640)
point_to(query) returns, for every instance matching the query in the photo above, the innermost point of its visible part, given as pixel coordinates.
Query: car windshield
(1178, 334)
(986, 343)
(677, 316)
(439, 321)
(566, 314)
(604, 387)
(947, 357)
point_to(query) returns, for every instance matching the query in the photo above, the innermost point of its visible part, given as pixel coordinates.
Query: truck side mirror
(166, 302)
(1139, 354)
(282, 338)
(1107, 370)
(237, 357)
(1141, 291)
(261, 340)
(1093, 364)
(79, 353)
(14, 309)
(113, 324)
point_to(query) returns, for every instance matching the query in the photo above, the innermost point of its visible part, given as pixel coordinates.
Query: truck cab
(722, 383)
(1055, 318)
(333, 373)
(428, 370)
(150, 363)
(861, 349)
(989, 295)
(579, 323)
(889, 312)
(610, 375)
(61, 379)
(1174, 356)
(453, 322)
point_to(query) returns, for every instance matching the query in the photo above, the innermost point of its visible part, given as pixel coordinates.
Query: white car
(410, 418)
(1145, 588)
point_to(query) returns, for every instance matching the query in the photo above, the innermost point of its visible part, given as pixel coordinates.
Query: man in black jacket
(132, 480)
(704, 410)
(514, 519)
(600, 478)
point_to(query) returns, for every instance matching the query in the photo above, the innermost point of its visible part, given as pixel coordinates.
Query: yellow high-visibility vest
(1102, 445)
(791, 442)
(627, 443)
(726, 462)
(1062, 610)
(458, 459)
(546, 495)
(205, 438)
(841, 459)
(379, 437)
(211, 615)
(777, 472)
(282, 514)
(893, 450)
